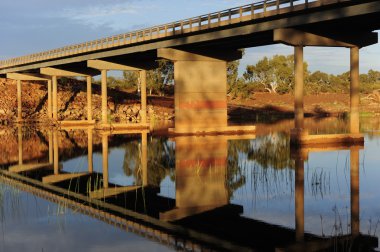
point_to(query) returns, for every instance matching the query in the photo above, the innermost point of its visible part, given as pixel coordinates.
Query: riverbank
(72, 104)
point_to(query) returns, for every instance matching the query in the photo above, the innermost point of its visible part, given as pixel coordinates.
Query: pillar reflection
(299, 200)
(201, 169)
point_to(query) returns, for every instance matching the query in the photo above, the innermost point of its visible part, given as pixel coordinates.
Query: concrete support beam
(180, 55)
(201, 92)
(19, 101)
(298, 88)
(104, 97)
(89, 98)
(354, 90)
(106, 65)
(49, 102)
(28, 77)
(60, 72)
(33, 77)
(143, 111)
(294, 37)
(55, 98)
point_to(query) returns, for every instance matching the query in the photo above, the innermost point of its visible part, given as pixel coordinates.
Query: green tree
(131, 78)
(276, 74)
(159, 77)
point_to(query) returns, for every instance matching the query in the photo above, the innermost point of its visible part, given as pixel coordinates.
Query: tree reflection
(272, 151)
(161, 160)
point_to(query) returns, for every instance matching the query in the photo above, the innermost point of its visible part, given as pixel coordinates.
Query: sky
(37, 25)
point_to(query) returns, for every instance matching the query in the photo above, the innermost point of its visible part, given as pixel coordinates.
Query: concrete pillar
(49, 103)
(200, 95)
(105, 160)
(144, 157)
(354, 90)
(104, 97)
(355, 205)
(56, 153)
(19, 101)
(89, 98)
(90, 151)
(143, 96)
(55, 97)
(50, 134)
(298, 87)
(19, 134)
(299, 200)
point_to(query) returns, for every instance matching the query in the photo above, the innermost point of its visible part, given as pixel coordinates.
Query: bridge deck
(235, 23)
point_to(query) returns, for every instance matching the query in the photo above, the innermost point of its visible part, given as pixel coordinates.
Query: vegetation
(276, 75)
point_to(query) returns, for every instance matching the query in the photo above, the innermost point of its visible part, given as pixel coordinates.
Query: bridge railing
(231, 16)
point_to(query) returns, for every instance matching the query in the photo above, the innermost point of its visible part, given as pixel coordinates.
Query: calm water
(144, 191)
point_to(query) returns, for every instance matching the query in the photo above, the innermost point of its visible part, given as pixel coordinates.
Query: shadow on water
(196, 193)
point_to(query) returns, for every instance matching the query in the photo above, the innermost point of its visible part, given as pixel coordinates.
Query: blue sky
(37, 25)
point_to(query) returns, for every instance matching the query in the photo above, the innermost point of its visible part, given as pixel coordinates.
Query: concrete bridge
(200, 48)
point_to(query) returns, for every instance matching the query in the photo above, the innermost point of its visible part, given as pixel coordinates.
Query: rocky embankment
(72, 103)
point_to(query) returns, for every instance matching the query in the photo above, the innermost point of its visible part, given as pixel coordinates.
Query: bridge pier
(89, 98)
(55, 73)
(49, 102)
(354, 90)
(299, 39)
(19, 101)
(55, 97)
(201, 91)
(298, 92)
(105, 66)
(19, 77)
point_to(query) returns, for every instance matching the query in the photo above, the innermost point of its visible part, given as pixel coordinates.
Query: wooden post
(354, 90)
(143, 111)
(19, 101)
(55, 98)
(298, 88)
(89, 98)
(104, 97)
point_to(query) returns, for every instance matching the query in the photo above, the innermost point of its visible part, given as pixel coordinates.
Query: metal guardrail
(212, 20)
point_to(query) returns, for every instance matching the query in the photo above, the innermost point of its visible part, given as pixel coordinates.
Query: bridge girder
(28, 77)
(295, 37)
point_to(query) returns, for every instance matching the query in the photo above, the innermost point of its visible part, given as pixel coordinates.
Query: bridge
(200, 48)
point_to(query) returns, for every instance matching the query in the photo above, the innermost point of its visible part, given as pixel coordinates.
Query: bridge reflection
(201, 214)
